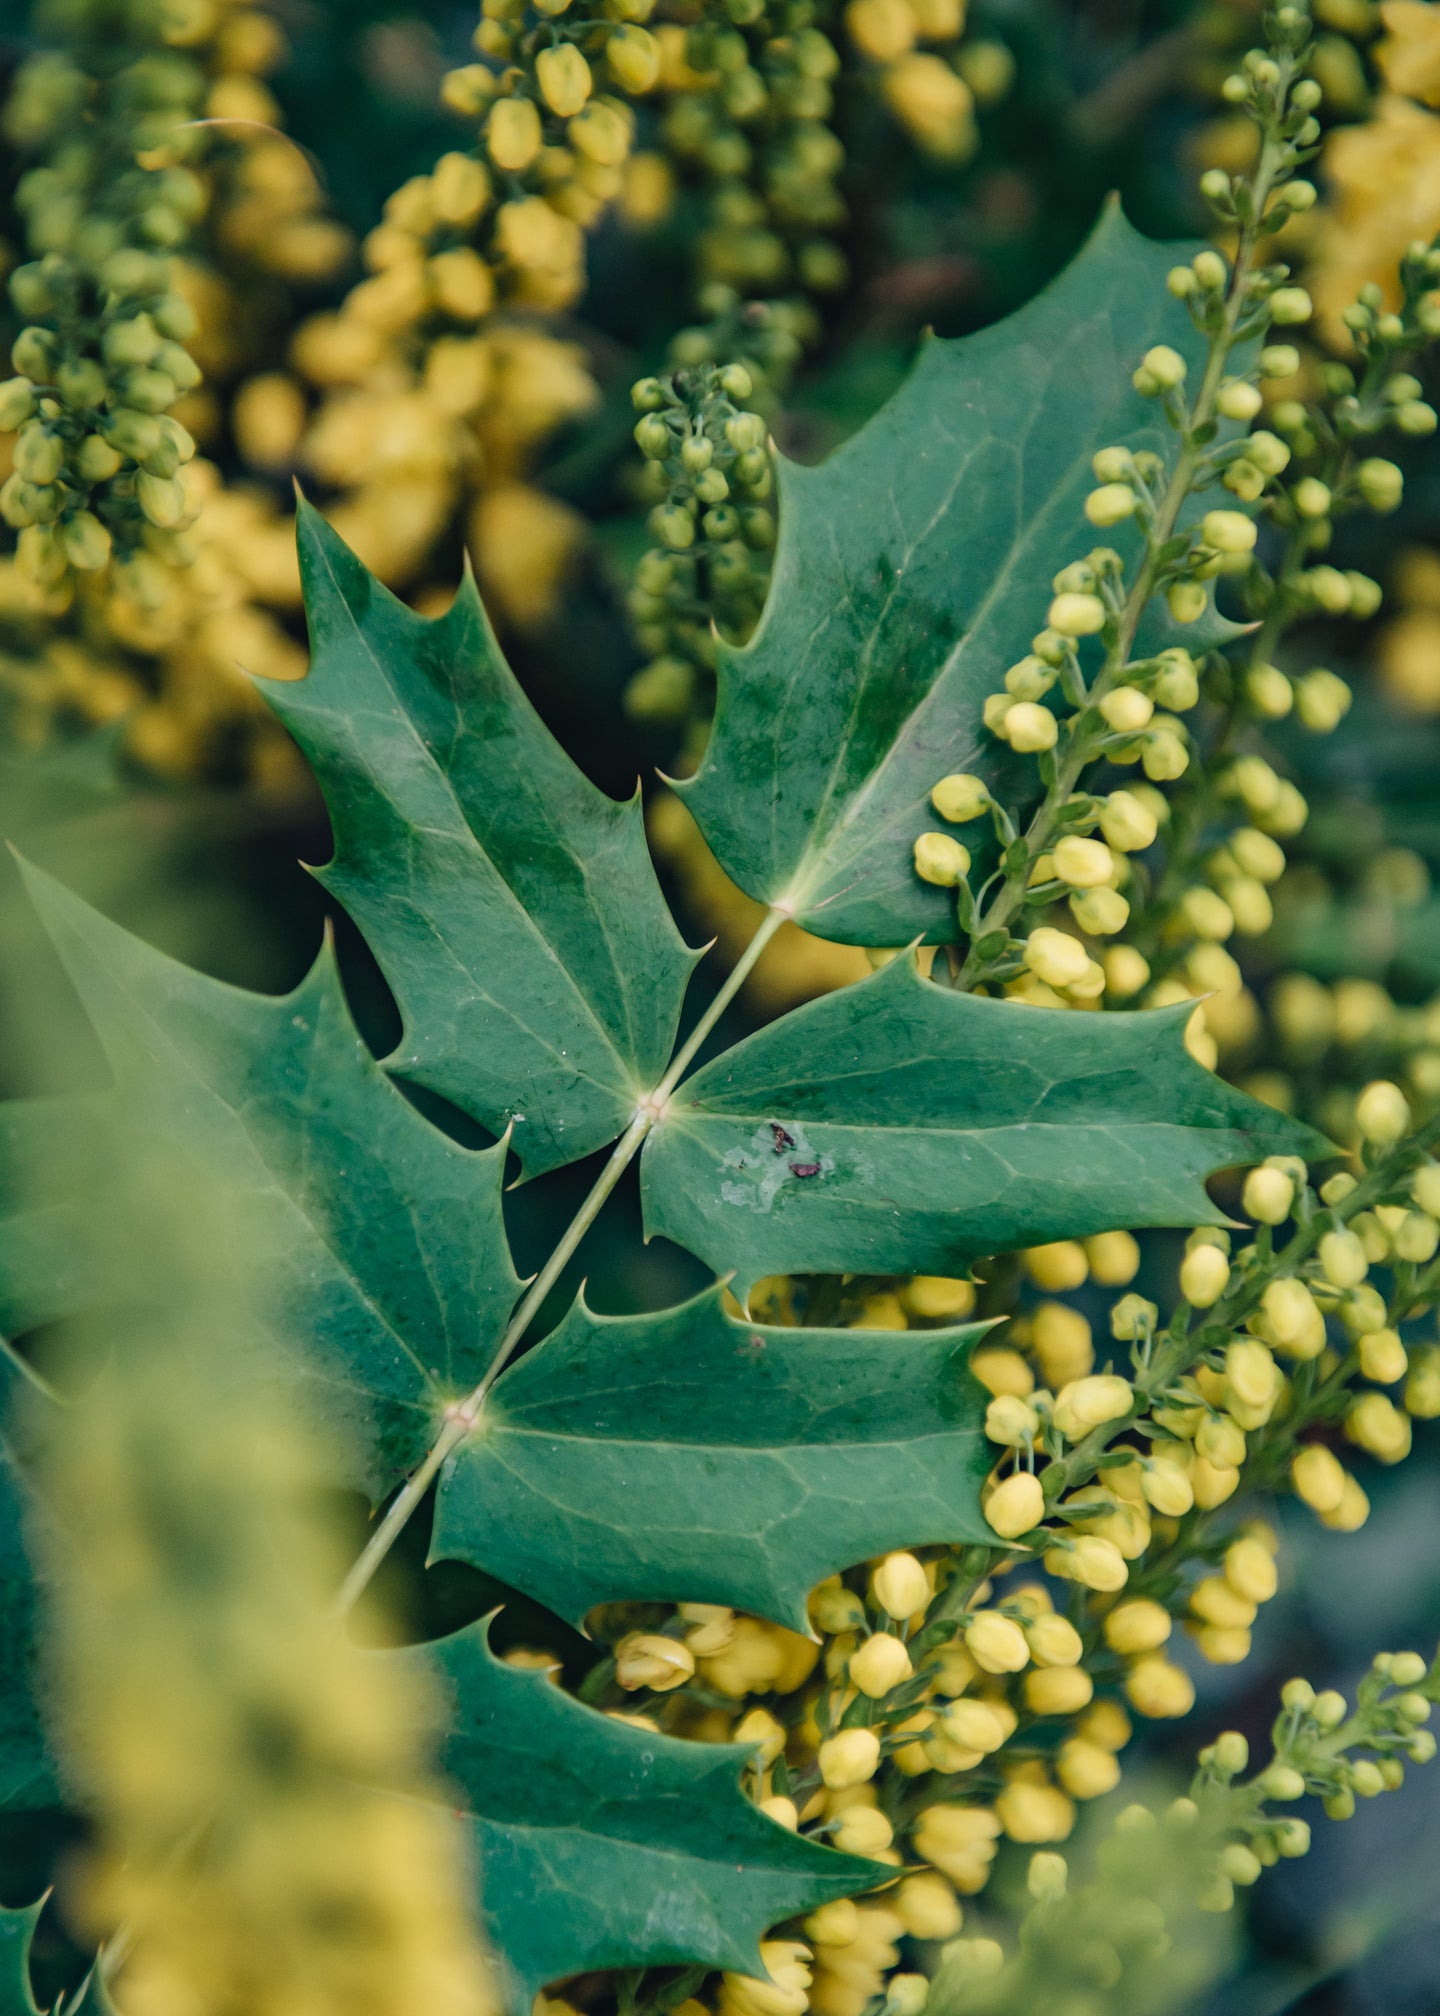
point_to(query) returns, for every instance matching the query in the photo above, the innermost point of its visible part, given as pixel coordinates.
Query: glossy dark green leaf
(690, 1456)
(512, 906)
(380, 1243)
(602, 1845)
(898, 1127)
(913, 567)
(27, 1773)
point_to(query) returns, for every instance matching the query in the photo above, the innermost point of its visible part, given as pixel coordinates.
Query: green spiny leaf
(690, 1456)
(17, 1935)
(27, 1775)
(922, 1127)
(914, 566)
(601, 1845)
(382, 1242)
(513, 906)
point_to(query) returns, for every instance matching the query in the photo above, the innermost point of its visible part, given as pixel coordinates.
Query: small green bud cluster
(101, 355)
(708, 464)
(1320, 1746)
(757, 138)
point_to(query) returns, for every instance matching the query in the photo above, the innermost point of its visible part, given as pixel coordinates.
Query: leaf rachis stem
(461, 1418)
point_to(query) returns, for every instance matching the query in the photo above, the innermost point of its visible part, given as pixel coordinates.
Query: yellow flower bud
(1158, 1689)
(1035, 1812)
(564, 79)
(462, 283)
(938, 1295)
(1001, 1370)
(881, 1663)
(1250, 1569)
(834, 1924)
(1126, 821)
(1162, 369)
(1076, 615)
(1382, 1112)
(1291, 1320)
(1422, 1386)
(1167, 1487)
(1223, 1644)
(996, 1643)
(645, 1659)
(1086, 1770)
(634, 58)
(1058, 1690)
(1318, 1477)
(900, 1585)
(1376, 1424)
(1212, 1483)
(602, 133)
(1127, 710)
(941, 860)
(882, 29)
(850, 1757)
(862, 1830)
(960, 798)
(1383, 1357)
(1204, 1276)
(933, 102)
(1252, 1378)
(1055, 957)
(761, 1728)
(84, 541)
(1228, 532)
(1343, 1257)
(1084, 864)
(1100, 912)
(1352, 1511)
(960, 1841)
(782, 1811)
(1215, 1601)
(927, 1906)
(1015, 1507)
(1029, 727)
(1010, 1421)
(162, 499)
(513, 134)
(1054, 1641)
(1219, 1439)
(975, 1725)
(1088, 1403)
(1060, 1338)
(1137, 1625)
(1111, 504)
(1091, 1560)
(1063, 1264)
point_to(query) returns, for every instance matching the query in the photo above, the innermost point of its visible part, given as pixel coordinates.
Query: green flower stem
(1001, 911)
(462, 1418)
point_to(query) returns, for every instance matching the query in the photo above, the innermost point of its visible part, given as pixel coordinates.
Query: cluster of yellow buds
(119, 601)
(1056, 706)
(1378, 165)
(1322, 1043)
(957, 1701)
(708, 466)
(101, 358)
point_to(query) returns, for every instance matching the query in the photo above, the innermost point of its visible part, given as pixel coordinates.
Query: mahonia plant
(873, 1587)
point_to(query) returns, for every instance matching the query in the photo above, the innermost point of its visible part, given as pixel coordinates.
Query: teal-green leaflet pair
(898, 1127)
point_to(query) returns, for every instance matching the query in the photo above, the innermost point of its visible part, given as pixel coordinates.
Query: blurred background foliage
(363, 322)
